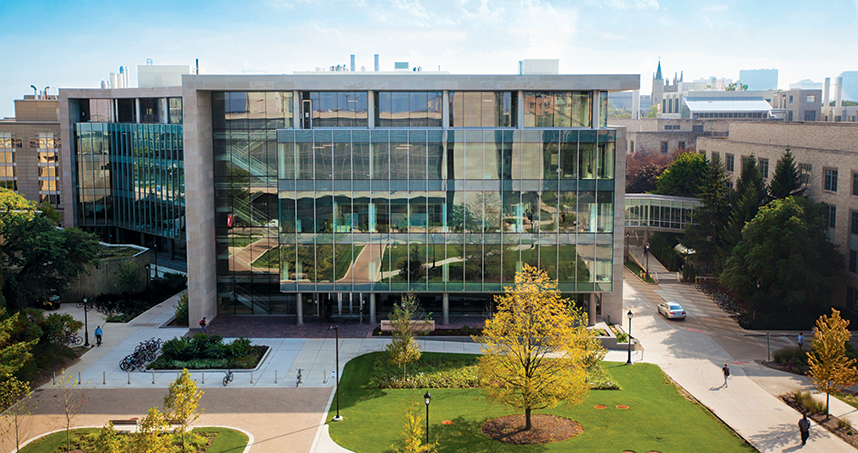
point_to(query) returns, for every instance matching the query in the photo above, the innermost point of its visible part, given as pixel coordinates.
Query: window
(730, 162)
(790, 99)
(664, 147)
(681, 145)
(697, 128)
(745, 161)
(175, 107)
(809, 115)
(714, 155)
(671, 127)
(854, 183)
(344, 109)
(832, 216)
(853, 262)
(851, 298)
(482, 109)
(676, 105)
(811, 99)
(853, 222)
(804, 172)
(557, 109)
(632, 146)
(830, 179)
(789, 115)
(664, 106)
(764, 167)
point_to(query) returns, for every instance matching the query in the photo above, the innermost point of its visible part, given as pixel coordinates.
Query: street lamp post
(630, 315)
(336, 330)
(627, 246)
(86, 306)
(646, 252)
(427, 398)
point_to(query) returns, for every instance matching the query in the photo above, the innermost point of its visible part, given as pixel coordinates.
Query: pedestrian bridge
(665, 213)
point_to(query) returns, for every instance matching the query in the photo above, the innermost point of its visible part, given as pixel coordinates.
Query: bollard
(251, 377)
(768, 349)
(153, 378)
(204, 377)
(78, 378)
(104, 377)
(275, 376)
(54, 378)
(129, 377)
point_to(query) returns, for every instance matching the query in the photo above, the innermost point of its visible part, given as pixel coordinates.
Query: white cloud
(630, 4)
(717, 8)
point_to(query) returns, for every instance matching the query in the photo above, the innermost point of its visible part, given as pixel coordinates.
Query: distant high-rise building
(805, 84)
(849, 90)
(759, 79)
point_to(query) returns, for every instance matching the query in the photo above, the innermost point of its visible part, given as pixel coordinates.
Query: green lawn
(227, 440)
(659, 418)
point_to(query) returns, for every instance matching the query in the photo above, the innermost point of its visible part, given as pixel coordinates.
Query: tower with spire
(657, 87)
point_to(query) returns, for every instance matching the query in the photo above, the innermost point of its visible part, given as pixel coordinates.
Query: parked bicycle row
(721, 297)
(143, 354)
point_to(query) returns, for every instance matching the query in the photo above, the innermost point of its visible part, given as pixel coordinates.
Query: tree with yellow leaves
(830, 369)
(151, 437)
(536, 349)
(413, 432)
(181, 404)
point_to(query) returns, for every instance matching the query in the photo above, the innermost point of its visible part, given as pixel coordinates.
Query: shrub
(795, 355)
(181, 310)
(599, 379)
(807, 403)
(844, 423)
(208, 351)
(622, 337)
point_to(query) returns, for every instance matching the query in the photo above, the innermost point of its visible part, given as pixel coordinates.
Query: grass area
(227, 440)
(113, 252)
(659, 418)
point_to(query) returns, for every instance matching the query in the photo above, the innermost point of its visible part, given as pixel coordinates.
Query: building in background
(759, 79)
(798, 105)
(30, 147)
(826, 156)
(667, 135)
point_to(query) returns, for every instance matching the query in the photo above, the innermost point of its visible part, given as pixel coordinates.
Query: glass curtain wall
(395, 209)
(131, 176)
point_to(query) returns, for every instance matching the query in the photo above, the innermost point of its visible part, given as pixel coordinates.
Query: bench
(418, 326)
(125, 424)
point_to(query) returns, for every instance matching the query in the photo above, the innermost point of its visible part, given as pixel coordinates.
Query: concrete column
(519, 111)
(370, 109)
(445, 109)
(591, 310)
(137, 109)
(340, 304)
(372, 308)
(636, 104)
(445, 308)
(300, 311)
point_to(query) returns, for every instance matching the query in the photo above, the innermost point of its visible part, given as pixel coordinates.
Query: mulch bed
(545, 429)
(830, 424)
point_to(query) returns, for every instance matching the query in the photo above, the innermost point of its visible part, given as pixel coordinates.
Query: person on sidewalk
(804, 428)
(98, 335)
(726, 371)
(800, 340)
(203, 325)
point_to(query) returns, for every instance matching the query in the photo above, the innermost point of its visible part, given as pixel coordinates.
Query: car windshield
(675, 307)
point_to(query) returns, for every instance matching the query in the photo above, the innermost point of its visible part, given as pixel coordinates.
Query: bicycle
(228, 378)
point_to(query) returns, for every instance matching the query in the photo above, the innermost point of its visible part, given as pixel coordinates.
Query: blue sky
(78, 43)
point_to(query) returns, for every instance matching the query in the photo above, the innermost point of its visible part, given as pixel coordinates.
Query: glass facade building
(321, 194)
(129, 175)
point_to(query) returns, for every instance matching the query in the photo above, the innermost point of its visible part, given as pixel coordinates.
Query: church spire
(658, 72)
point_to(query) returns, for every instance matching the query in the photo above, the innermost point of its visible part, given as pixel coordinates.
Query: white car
(671, 310)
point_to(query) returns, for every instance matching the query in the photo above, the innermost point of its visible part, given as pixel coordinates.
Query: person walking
(98, 335)
(800, 340)
(726, 371)
(804, 428)
(203, 325)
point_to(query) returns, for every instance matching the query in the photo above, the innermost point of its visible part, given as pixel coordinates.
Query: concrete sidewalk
(694, 361)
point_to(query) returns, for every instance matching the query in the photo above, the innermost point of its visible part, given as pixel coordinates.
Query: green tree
(129, 277)
(683, 176)
(14, 407)
(151, 436)
(14, 353)
(181, 405)
(830, 369)
(39, 252)
(784, 261)
(653, 112)
(786, 181)
(536, 348)
(750, 194)
(108, 440)
(707, 234)
(413, 433)
(403, 349)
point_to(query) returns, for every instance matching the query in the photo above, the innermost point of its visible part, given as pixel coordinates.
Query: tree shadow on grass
(466, 436)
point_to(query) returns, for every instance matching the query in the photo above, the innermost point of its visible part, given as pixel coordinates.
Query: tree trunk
(527, 424)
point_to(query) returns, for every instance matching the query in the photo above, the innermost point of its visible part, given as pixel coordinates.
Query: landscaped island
(204, 351)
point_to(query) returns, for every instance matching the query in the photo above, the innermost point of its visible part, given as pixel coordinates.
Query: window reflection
(408, 109)
(557, 109)
(482, 109)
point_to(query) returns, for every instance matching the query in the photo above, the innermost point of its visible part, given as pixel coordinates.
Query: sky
(76, 44)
